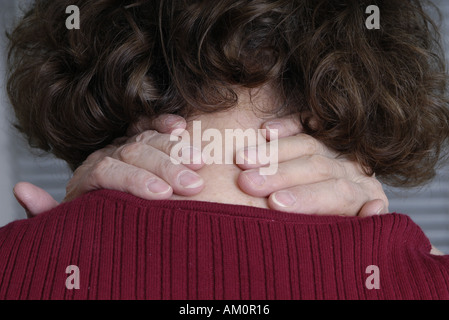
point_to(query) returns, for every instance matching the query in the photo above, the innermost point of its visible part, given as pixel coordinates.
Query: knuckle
(281, 178)
(134, 178)
(166, 166)
(168, 170)
(378, 190)
(346, 190)
(129, 152)
(100, 170)
(311, 145)
(372, 189)
(166, 145)
(322, 167)
(375, 185)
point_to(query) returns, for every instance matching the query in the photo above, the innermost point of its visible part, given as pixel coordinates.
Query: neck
(221, 134)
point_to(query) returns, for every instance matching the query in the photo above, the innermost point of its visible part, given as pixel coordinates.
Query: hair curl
(376, 96)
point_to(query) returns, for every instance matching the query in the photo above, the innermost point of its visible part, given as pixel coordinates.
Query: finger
(373, 207)
(164, 123)
(113, 174)
(333, 197)
(299, 171)
(287, 148)
(183, 180)
(284, 127)
(33, 199)
(177, 146)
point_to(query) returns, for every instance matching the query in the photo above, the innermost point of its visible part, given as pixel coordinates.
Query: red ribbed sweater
(129, 248)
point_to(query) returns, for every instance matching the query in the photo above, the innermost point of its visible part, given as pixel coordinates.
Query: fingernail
(189, 180)
(157, 186)
(255, 177)
(191, 155)
(284, 198)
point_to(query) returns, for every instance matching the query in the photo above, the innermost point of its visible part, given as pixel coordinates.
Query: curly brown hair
(376, 96)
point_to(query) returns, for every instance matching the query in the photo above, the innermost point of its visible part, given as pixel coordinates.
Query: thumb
(33, 199)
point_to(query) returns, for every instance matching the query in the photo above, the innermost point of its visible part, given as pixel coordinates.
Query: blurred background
(428, 206)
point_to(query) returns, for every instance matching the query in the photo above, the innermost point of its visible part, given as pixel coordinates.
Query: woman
(377, 98)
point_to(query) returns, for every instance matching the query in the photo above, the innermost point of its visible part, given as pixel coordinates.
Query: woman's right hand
(141, 165)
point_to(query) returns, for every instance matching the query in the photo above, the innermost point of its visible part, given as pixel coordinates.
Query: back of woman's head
(376, 96)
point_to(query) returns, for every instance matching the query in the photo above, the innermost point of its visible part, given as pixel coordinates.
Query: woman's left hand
(310, 178)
